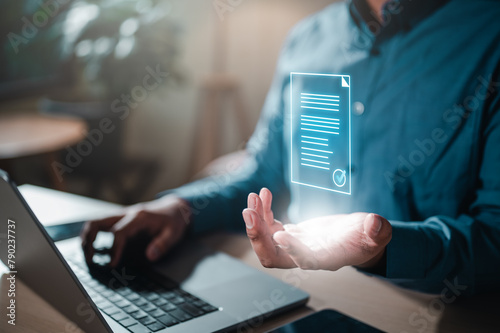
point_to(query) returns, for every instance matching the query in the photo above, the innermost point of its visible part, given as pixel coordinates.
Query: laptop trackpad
(196, 267)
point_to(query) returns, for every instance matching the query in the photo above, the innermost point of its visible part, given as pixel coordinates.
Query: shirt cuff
(207, 200)
(406, 251)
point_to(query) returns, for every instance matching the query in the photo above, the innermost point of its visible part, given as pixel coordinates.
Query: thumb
(378, 229)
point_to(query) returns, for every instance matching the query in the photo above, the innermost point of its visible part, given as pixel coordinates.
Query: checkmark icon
(340, 177)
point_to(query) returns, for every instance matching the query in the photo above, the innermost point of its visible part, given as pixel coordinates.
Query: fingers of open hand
(255, 203)
(267, 200)
(301, 255)
(262, 205)
(260, 237)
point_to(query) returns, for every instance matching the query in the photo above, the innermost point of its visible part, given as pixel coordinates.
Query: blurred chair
(215, 92)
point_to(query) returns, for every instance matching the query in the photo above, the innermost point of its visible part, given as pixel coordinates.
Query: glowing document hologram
(321, 131)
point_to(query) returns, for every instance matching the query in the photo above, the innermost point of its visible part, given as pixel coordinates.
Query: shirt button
(358, 108)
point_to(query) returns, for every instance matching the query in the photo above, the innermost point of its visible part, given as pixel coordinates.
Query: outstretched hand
(328, 242)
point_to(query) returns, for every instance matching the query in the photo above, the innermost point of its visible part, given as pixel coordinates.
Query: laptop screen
(31, 256)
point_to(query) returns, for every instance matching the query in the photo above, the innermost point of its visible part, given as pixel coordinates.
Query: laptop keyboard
(139, 304)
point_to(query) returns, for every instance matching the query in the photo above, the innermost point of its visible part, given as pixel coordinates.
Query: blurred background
(119, 99)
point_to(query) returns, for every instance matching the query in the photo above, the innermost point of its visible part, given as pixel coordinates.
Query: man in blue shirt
(425, 82)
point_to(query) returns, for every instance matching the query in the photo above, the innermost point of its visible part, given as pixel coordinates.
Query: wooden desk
(365, 298)
(33, 134)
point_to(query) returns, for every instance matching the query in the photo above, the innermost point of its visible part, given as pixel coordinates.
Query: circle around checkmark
(339, 177)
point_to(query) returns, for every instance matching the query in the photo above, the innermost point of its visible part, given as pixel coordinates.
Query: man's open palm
(328, 242)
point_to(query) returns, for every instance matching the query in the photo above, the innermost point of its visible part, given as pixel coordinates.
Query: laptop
(194, 289)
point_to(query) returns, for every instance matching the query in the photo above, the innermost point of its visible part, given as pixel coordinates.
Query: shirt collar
(398, 15)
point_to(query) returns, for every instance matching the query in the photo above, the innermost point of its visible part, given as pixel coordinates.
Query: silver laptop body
(224, 294)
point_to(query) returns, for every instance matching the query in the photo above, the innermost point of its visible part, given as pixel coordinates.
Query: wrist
(172, 206)
(182, 210)
(376, 265)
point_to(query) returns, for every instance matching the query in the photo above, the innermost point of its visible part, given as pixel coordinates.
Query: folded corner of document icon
(321, 131)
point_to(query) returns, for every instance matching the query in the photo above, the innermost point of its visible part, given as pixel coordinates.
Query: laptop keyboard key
(122, 303)
(167, 320)
(100, 288)
(151, 296)
(148, 307)
(127, 322)
(191, 309)
(177, 300)
(147, 320)
(132, 297)
(199, 303)
(138, 328)
(140, 302)
(156, 327)
(115, 298)
(209, 308)
(139, 314)
(157, 313)
(97, 298)
(124, 291)
(131, 308)
(92, 283)
(168, 307)
(119, 316)
(180, 315)
(160, 302)
(107, 293)
(103, 304)
(111, 310)
(168, 294)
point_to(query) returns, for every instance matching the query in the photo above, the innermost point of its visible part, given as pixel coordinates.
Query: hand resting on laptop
(164, 220)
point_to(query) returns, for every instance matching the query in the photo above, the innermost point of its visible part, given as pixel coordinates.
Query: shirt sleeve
(461, 253)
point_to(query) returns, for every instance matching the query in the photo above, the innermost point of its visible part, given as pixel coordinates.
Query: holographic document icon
(321, 131)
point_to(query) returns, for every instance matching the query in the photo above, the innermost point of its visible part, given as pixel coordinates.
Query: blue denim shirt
(425, 136)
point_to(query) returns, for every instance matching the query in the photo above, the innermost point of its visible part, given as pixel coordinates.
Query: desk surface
(365, 298)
